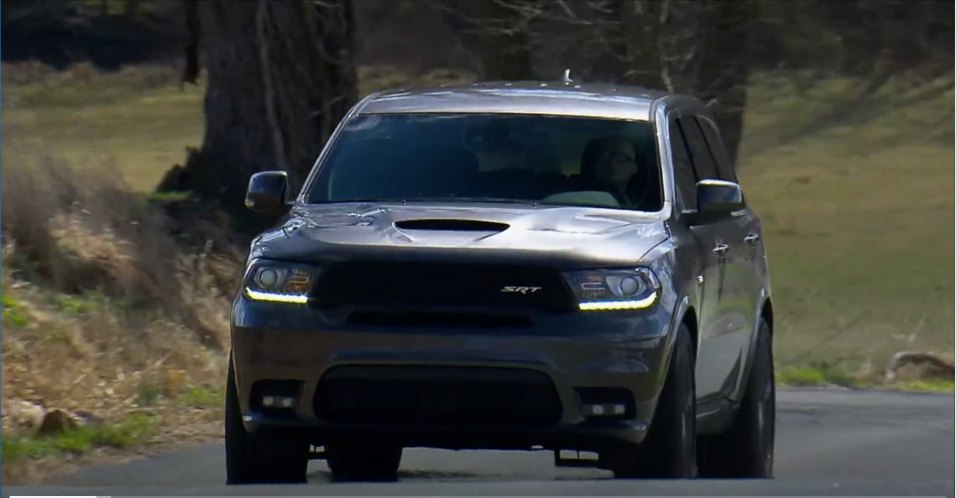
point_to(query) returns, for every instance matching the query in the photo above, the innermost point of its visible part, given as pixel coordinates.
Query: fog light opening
(604, 409)
(605, 402)
(278, 402)
(275, 397)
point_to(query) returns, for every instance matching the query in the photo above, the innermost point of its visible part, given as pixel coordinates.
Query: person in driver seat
(613, 164)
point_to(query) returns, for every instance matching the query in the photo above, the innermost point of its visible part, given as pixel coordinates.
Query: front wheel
(363, 463)
(668, 450)
(747, 449)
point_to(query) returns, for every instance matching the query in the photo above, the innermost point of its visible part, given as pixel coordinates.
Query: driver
(613, 164)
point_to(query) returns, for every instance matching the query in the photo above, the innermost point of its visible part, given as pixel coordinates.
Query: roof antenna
(567, 77)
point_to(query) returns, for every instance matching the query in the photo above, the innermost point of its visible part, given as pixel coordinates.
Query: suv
(540, 266)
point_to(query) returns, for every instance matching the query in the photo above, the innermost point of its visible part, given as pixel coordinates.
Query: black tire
(363, 463)
(668, 451)
(257, 459)
(746, 450)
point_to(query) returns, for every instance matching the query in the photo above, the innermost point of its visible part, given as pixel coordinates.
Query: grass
(138, 120)
(81, 304)
(13, 311)
(821, 374)
(928, 385)
(203, 397)
(825, 376)
(148, 392)
(801, 376)
(857, 203)
(854, 192)
(131, 431)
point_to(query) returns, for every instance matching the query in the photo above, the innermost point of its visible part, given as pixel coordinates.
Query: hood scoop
(451, 225)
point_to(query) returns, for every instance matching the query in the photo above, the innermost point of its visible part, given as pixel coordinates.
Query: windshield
(497, 158)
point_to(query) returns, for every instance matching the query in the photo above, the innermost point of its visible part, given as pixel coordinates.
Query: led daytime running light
(276, 298)
(619, 305)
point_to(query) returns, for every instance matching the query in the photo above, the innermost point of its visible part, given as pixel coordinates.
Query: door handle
(720, 249)
(752, 238)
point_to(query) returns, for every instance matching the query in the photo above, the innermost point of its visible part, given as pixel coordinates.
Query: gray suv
(528, 266)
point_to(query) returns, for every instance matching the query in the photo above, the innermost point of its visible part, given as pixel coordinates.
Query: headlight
(278, 282)
(609, 290)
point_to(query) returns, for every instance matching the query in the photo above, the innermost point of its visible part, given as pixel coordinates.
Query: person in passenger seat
(613, 164)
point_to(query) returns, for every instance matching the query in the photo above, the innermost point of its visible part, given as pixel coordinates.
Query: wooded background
(281, 73)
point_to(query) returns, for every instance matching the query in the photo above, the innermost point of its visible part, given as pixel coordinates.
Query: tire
(255, 459)
(668, 451)
(363, 463)
(746, 450)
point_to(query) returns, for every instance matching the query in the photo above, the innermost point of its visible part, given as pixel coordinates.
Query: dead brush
(83, 232)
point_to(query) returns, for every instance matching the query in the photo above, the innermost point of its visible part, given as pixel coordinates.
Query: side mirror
(267, 192)
(719, 197)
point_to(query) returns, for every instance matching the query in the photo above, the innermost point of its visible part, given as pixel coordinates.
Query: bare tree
(704, 51)
(280, 76)
(698, 47)
(497, 32)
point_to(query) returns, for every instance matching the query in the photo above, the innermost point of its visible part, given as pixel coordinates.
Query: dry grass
(103, 310)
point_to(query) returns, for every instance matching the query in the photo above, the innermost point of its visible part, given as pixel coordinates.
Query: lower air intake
(437, 397)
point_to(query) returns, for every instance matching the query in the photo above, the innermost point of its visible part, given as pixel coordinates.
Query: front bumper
(625, 351)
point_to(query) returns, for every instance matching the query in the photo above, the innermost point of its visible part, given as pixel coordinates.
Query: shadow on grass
(828, 109)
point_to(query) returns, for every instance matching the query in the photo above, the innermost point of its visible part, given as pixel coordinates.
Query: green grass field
(855, 194)
(858, 207)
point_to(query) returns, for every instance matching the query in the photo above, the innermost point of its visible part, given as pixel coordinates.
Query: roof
(553, 98)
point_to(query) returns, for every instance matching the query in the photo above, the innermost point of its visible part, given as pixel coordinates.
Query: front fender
(738, 393)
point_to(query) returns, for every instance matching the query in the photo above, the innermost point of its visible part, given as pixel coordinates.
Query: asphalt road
(829, 443)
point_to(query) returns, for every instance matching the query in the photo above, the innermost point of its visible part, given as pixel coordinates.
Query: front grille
(411, 284)
(410, 396)
(404, 319)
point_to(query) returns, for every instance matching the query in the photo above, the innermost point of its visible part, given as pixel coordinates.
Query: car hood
(515, 232)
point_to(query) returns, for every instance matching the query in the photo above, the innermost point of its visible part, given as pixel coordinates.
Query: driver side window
(685, 178)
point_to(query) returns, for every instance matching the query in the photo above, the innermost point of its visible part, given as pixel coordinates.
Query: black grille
(437, 397)
(437, 320)
(398, 284)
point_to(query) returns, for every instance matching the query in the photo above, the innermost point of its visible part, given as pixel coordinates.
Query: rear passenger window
(718, 152)
(703, 164)
(685, 179)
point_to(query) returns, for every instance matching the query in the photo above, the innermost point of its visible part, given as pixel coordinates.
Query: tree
(280, 77)
(698, 47)
(497, 33)
(704, 48)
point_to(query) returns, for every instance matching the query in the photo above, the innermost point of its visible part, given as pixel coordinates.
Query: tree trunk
(697, 47)
(631, 30)
(723, 77)
(280, 77)
(704, 48)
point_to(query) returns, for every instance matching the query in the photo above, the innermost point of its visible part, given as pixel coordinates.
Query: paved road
(829, 442)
